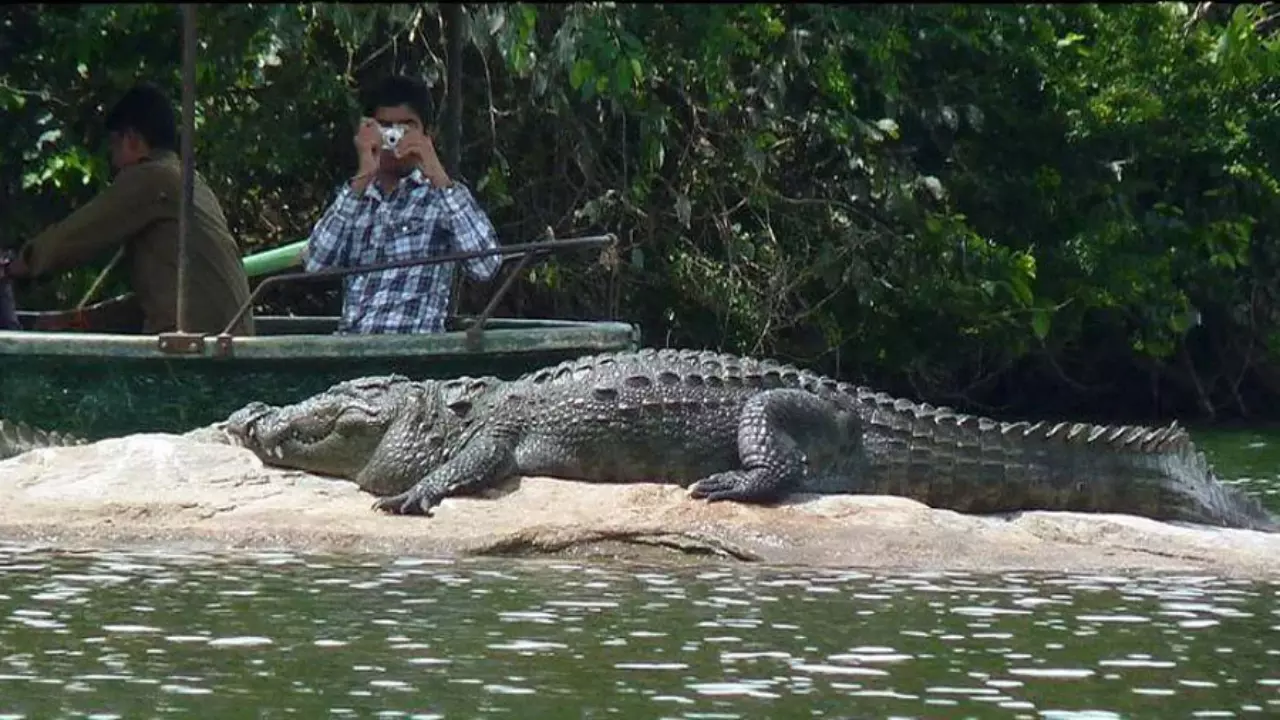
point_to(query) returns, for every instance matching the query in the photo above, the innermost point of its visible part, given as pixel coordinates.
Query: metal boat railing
(194, 342)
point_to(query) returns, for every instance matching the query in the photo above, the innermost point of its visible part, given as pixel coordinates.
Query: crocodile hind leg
(778, 432)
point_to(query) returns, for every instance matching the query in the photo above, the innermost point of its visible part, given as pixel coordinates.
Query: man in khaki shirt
(139, 211)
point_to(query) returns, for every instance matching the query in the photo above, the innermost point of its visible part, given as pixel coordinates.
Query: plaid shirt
(416, 220)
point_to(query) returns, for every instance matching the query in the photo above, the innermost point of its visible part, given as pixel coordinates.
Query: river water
(129, 635)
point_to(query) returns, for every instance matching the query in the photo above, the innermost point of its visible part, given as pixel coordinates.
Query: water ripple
(121, 634)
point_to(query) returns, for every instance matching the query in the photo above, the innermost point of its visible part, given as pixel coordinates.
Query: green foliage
(1017, 204)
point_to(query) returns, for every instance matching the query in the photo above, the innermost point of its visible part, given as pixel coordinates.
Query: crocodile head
(384, 432)
(332, 433)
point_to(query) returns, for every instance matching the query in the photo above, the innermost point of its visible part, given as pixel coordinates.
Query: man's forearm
(327, 247)
(483, 268)
(473, 231)
(104, 223)
(330, 241)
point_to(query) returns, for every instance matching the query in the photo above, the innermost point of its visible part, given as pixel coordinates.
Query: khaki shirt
(140, 211)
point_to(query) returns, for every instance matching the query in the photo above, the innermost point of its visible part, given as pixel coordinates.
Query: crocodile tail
(1207, 500)
(17, 438)
(975, 464)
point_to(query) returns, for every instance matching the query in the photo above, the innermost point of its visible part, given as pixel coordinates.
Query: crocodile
(17, 438)
(727, 428)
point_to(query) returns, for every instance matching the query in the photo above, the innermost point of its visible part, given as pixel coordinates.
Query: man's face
(127, 148)
(398, 115)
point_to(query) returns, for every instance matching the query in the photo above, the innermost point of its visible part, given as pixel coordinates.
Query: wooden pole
(187, 211)
(453, 99)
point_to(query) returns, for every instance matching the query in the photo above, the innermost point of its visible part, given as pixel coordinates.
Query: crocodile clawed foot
(731, 485)
(412, 502)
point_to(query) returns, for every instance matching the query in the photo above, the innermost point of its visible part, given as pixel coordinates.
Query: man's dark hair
(402, 90)
(147, 111)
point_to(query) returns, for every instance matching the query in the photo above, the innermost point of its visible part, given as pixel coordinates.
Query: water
(1248, 458)
(125, 635)
(120, 635)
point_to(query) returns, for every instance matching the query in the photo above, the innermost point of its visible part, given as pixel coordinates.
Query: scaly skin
(729, 428)
(17, 438)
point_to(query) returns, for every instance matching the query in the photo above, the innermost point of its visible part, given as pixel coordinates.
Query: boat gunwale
(545, 337)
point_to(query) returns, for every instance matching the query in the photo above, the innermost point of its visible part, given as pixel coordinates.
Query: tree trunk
(452, 130)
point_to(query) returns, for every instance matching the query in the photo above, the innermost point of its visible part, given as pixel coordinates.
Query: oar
(8, 306)
(274, 260)
(79, 321)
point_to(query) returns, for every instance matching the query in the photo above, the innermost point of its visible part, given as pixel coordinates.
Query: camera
(391, 136)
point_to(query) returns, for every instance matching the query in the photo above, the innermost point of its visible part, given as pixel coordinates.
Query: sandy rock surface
(167, 491)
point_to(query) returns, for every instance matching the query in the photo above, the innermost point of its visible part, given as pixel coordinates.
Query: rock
(181, 493)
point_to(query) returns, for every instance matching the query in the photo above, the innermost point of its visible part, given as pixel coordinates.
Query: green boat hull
(98, 385)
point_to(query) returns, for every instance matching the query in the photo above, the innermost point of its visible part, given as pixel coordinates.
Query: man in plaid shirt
(401, 204)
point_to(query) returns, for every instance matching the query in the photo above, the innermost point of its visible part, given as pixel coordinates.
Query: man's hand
(421, 150)
(368, 142)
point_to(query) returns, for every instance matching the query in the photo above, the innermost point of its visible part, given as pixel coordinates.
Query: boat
(62, 372)
(58, 373)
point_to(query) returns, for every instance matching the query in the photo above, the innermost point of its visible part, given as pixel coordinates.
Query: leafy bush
(1015, 208)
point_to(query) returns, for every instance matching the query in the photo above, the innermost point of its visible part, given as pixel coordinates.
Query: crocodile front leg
(486, 460)
(780, 432)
